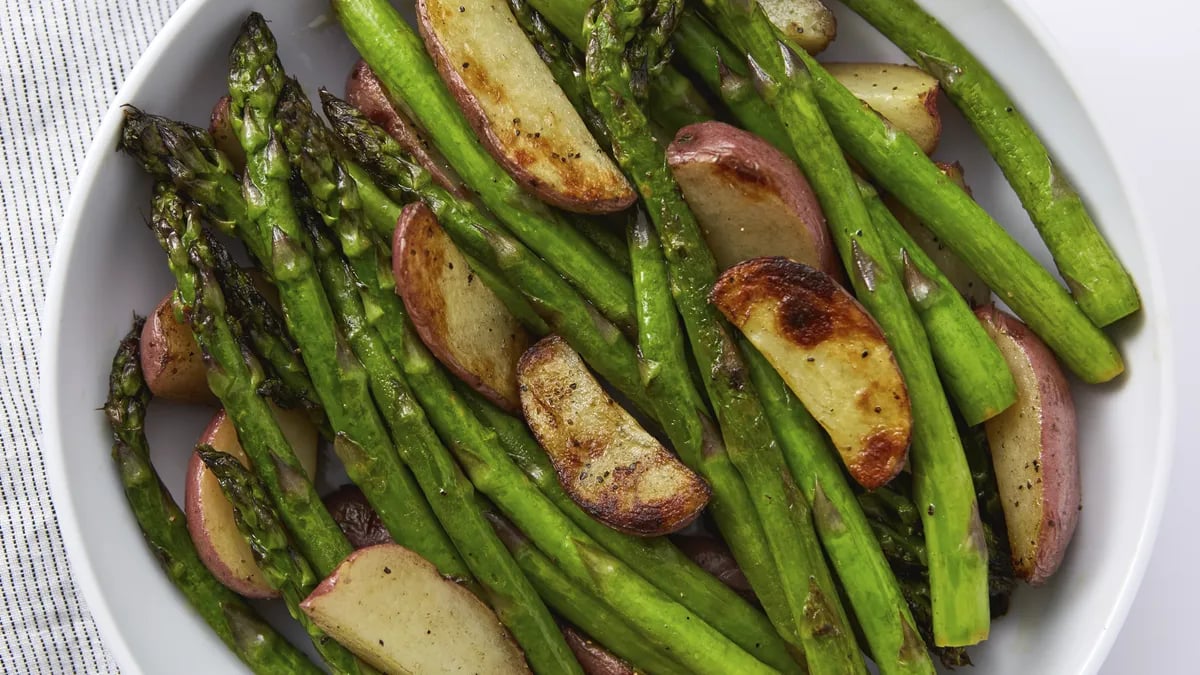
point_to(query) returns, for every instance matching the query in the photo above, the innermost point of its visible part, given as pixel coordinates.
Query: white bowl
(107, 265)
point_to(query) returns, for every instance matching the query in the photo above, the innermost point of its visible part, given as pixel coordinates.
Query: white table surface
(1133, 65)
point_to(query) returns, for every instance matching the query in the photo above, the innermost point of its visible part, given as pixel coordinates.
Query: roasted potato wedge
(972, 287)
(516, 109)
(356, 517)
(221, 128)
(595, 659)
(460, 319)
(750, 198)
(393, 609)
(809, 23)
(365, 92)
(1034, 451)
(171, 359)
(831, 353)
(612, 468)
(906, 95)
(209, 514)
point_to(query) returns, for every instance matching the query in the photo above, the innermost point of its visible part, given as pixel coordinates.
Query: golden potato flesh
(832, 355)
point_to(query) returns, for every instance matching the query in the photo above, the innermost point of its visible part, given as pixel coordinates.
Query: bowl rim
(100, 148)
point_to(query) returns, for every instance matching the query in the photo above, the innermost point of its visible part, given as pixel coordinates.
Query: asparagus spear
(254, 641)
(582, 608)
(656, 559)
(1101, 286)
(234, 375)
(284, 568)
(817, 619)
(856, 555)
(958, 559)
(256, 79)
(565, 312)
(452, 496)
(398, 57)
(685, 418)
(263, 326)
(972, 368)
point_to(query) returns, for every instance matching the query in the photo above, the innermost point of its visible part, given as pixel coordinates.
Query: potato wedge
(221, 128)
(905, 95)
(390, 606)
(1034, 451)
(831, 353)
(209, 514)
(171, 359)
(595, 659)
(516, 109)
(460, 319)
(365, 92)
(614, 470)
(751, 200)
(356, 517)
(972, 287)
(809, 23)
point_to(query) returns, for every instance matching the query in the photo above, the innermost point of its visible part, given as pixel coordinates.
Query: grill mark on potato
(877, 461)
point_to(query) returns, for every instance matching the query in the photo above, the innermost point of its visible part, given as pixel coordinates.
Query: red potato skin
(356, 518)
(173, 372)
(573, 198)
(593, 658)
(221, 128)
(754, 164)
(413, 217)
(714, 557)
(1060, 472)
(193, 509)
(365, 92)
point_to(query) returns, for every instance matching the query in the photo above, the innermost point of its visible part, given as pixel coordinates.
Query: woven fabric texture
(61, 66)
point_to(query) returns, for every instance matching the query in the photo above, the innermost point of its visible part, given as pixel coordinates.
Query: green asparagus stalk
(856, 555)
(958, 559)
(582, 608)
(234, 375)
(283, 567)
(565, 312)
(684, 416)
(382, 214)
(262, 325)
(973, 370)
(1101, 286)
(452, 496)
(818, 621)
(899, 166)
(398, 58)
(363, 444)
(656, 559)
(253, 640)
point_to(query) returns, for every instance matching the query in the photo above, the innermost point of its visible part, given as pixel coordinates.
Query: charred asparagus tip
(919, 286)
